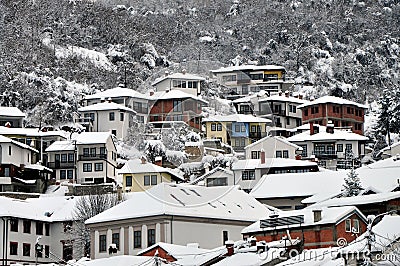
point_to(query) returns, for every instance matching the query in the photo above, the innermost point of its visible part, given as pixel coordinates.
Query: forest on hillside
(52, 52)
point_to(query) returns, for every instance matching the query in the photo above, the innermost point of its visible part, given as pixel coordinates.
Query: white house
(46, 220)
(185, 82)
(334, 148)
(274, 147)
(124, 96)
(61, 157)
(108, 116)
(216, 177)
(175, 214)
(11, 116)
(390, 151)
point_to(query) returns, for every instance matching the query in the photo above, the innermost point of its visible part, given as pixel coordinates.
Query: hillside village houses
(11, 116)
(186, 82)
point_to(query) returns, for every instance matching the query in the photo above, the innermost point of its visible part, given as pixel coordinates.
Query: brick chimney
(330, 127)
(109, 100)
(252, 240)
(151, 92)
(311, 128)
(317, 215)
(262, 156)
(143, 159)
(300, 96)
(166, 73)
(280, 93)
(229, 246)
(287, 94)
(158, 161)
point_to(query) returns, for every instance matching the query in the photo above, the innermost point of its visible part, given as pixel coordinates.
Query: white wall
(270, 146)
(18, 155)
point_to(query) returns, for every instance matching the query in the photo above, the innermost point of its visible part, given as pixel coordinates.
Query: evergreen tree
(352, 185)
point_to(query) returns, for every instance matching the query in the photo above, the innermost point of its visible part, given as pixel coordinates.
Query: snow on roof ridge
(178, 75)
(11, 111)
(247, 67)
(105, 106)
(333, 99)
(115, 93)
(284, 140)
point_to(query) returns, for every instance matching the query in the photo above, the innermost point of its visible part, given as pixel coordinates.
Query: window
(14, 225)
(229, 78)
(304, 151)
(287, 121)
(87, 167)
(147, 180)
(6, 171)
(63, 158)
(219, 127)
(248, 175)
(306, 112)
(243, 128)
(314, 110)
(98, 167)
(9, 150)
(13, 248)
(46, 251)
(114, 132)
(92, 152)
(285, 154)
(224, 237)
(102, 150)
(128, 181)
(63, 174)
(179, 84)
(255, 155)
(356, 226)
(47, 229)
(111, 116)
(177, 106)
(115, 239)
(137, 239)
(26, 249)
(278, 154)
(71, 157)
(70, 174)
(213, 127)
(242, 142)
(102, 243)
(121, 117)
(192, 84)
(348, 225)
(153, 180)
(349, 147)
(67, 226)
(39, 251)
(151, 237)
(253, 129)
(86, 152)
(245, 89)
(39, 228)
(339, 148)
(237, 128)
(292, 108)
(26, 224)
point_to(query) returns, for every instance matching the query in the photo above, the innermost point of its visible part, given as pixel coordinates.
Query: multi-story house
(11, 117)
(130, 98)
(140, 175)
(342, 113)
(18, 168)
(334, 148)
(107, 116)
(45, 221)
(273, 147)
(241, 80)
(176, 106)
(185, 82)
(237, 130)
(88, 158)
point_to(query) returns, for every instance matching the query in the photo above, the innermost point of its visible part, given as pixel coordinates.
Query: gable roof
(92, 138)
(270, 163)
(332, 215)
(273, 138)
(11, 112)
(116, 93)
(248, 68)
(227, 203)
(176, 251)
(240, 118)
(4, 139)
(283, 98)
(323, 135)
(135, 166)
(218, 169)
(63, 145)
(332, 99)
(31, 132)
(105, 106)
(175, 94)
(178, 75)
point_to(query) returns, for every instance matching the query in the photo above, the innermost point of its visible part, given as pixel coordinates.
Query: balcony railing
(243, 81)
(60, 165)
(257, 135)
(89, 157)
(83, 120)
(325, 154)
(279, 112)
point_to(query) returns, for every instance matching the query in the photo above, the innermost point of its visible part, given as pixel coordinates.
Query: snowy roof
(38, 167)
(174, 94)
(247, 99)
(385, 233)
(382, 175)
(226, 171)
(115, 93)
(136, 166)
(176, 251)
(92, 137)
(247, 67)
(268, 138)
(49, 209)
(63, 145)
(32, 132)
(331, 215)
(11, 112)
(119, 260)
(181, 76)
(332, 99)
(360, 200)
(240, 118)
(250, 258)
(270, 163)
(17, 143)
(319, 256)
(322, 135)
(105, 106)
(228, 203)
(283, 98)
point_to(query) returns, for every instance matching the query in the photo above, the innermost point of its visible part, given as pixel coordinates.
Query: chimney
(151, 92)
(317, 215)
(330, 127)
(102, 99)
(298, 157)
(109, 99)
(158, 161)
(143, 160)
(183, 71)
(300, 96)
(287, 94)
(8, 124)
(311, 128)
(312, 98)
(280, 93)
(262, 156)
(166, 73)
(253, 241)
(229, 246)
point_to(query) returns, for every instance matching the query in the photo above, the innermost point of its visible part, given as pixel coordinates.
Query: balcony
(325, 155)
(84, 120)
(279, 112)
(257, 135)
(243, 81)
(60, 165)
(90, 157)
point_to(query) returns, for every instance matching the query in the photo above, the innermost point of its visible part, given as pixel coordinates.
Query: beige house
(175, 214)
(139, 175)
(274, 147)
